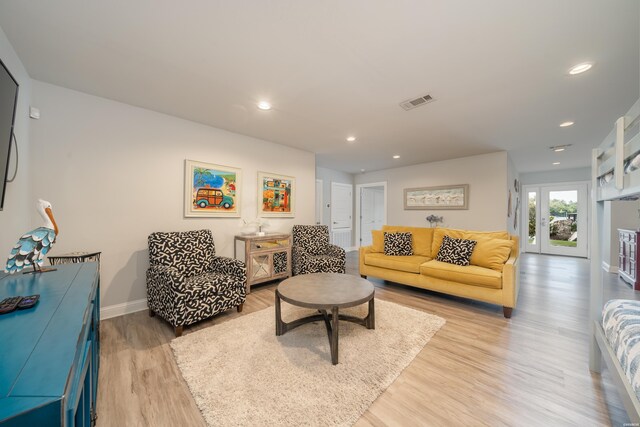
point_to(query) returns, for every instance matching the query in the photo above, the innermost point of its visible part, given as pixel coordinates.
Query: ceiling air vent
(410, 104)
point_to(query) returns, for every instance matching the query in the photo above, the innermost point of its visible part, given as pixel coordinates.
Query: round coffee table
(326, 292)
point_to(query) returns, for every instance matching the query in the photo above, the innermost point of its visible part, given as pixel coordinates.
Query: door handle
(543, 221)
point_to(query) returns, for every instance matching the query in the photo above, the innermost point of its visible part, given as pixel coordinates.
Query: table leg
(278, 315)
(334, 335)
(370, 321)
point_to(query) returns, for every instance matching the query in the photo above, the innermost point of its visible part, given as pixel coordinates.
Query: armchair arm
(299, 254)
(165, 275)
(336, 251)
(230, 266)
(299, 251)
(299, 257)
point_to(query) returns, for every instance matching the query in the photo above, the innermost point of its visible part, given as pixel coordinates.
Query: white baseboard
(122, 309)
(608, 268)
(351, 249)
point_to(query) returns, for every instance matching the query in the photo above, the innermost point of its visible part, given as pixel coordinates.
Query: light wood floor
(479, 369)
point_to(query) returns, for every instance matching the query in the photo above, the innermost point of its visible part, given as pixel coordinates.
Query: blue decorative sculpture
(34, 245)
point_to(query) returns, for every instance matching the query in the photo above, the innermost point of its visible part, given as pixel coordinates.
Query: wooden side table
(267, 257)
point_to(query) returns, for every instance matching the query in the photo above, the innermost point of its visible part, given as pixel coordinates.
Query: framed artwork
(276, 195)
(443, 197)
(211, 190)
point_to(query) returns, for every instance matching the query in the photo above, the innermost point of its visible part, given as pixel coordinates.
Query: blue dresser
(49, 354)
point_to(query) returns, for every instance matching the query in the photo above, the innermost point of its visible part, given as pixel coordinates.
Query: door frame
(359, 188)
(524, 235)
(321, 197)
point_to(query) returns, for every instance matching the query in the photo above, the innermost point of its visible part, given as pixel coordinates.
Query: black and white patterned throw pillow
(456, 251)
(398, 244)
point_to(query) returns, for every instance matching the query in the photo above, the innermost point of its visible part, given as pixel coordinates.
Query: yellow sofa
(492, 275)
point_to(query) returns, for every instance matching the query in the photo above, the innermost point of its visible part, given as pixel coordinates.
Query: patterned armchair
(187, 282)
(312, 253)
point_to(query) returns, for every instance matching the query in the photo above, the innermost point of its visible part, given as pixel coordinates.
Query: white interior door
(371, 212)
(341, 206)
(563, 220)
(319, 201)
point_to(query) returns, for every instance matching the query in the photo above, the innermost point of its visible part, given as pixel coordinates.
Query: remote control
(7, 305)
(28, 302)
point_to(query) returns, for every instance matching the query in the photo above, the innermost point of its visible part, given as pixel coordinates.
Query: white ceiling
(498, 69)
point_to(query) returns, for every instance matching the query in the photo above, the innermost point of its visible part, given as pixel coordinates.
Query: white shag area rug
(241, 374)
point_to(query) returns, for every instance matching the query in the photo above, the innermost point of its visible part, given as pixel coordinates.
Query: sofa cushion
(398, 244)
(468, 275)
(491, 253)
(410, 264)
(455, 251)
(422, 238)
(377, 241)
(439, 233)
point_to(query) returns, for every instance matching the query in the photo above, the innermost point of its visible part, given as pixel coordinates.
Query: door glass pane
(563, 218)
(532, 217)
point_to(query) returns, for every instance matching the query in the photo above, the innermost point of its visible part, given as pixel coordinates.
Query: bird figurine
(34, 245)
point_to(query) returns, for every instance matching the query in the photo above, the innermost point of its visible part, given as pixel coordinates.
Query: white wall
(14, 221)
(485, 174)
(617, 214)
(115, 173)
(513, 221)
(553, 176)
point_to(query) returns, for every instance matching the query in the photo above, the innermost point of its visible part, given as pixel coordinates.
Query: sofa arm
(161, 275)
(510, 282)
(363, 251)
(336, 251)
(229, 266)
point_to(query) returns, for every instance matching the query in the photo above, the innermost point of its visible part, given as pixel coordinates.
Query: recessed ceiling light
(565, 124)
(361, 170)
(264, 105)
(559, 148)
(396, 157)
(556, 163)
(580, 68)
(351, 138)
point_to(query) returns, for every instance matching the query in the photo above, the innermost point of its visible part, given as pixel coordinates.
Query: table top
(326, 290)
(76, 255)
(267, 236)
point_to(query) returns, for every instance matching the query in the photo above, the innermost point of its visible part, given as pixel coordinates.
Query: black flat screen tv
(8, 102)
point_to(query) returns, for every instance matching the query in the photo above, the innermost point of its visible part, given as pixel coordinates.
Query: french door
(555, 219)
